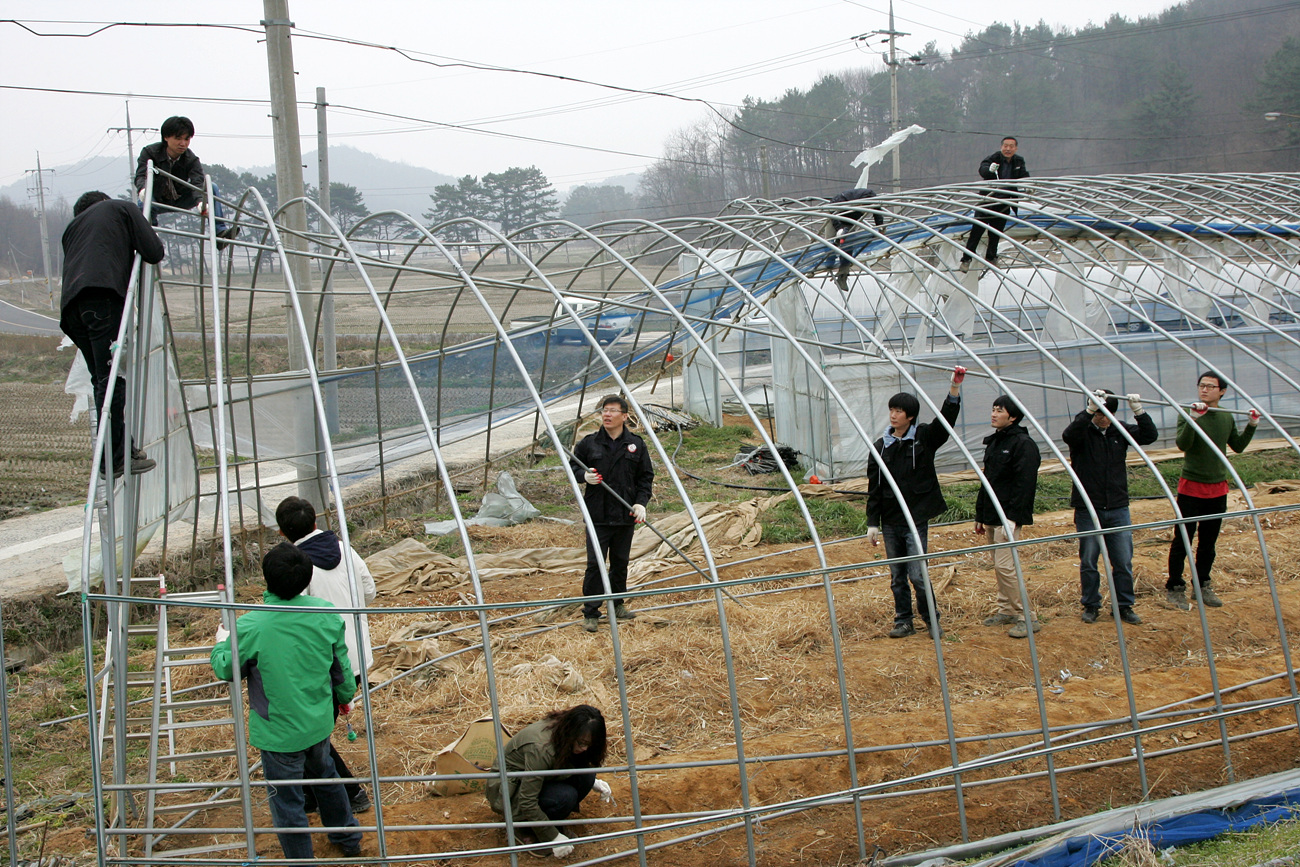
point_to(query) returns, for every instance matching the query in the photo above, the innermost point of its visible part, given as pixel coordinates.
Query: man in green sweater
(295, 664)
(1203, 486)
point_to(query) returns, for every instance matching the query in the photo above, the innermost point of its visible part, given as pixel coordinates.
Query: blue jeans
(191, 199)
(1119, 546)
(287, 798)
(904, 577)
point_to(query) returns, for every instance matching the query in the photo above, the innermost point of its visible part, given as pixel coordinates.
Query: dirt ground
(789, 699)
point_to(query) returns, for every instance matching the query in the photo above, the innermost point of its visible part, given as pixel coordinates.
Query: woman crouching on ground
(573, 738)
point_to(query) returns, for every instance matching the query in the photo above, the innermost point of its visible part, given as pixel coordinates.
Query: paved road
(16, 320)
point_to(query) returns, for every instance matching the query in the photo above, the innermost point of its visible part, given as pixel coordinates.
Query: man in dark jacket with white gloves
(1011, 462)
(907, 456)
(615, 464)
(99, 248)
(1005, 165)
(1097, 453)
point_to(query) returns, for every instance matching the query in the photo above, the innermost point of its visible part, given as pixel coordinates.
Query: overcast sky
(714, 50)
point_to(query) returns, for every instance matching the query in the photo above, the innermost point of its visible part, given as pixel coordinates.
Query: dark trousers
(352, 788)
(1208, 531)
(560, 798)
(92, 320)
(350, 785)
(286, 797)
(994, 218)
(616, 544)
(906, 577)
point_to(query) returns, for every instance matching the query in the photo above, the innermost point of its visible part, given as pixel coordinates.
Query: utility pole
(893, 95)
(329, 342)
(891, 60)
(289, 186)
(762, 162)
(130, 146)
(45, 229)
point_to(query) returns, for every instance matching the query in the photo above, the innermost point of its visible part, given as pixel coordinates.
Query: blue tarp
(1177, 831)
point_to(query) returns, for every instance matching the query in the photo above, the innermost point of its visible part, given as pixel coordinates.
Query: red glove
(345, 709)
(1199, 409)
(1254, 417)
(958, 374)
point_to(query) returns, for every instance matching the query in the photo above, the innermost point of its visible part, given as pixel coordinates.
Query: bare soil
(674, 667)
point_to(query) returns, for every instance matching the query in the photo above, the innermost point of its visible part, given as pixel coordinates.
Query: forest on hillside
(1183, 91)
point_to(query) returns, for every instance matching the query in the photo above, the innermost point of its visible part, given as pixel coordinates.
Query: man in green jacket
(1203, 486)
(295, 664)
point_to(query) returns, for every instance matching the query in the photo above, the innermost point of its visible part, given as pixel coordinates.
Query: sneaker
(936, 631)
(965, 264)
(350, 850)
(999, 619)
(622, 612)
(1210, 598)
(360, 801)
(992, 262)
(226, 235)
(1021, 631)
(1089, 615)
(902, 629)
(1128, 615)
(591, 624)
(1177, 599)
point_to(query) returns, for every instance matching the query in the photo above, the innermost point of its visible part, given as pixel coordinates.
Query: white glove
(564, 849)
(1095, 400)
(873, 535)
(591, 477)
(1198, 408)
(1254, 418)
(958, 374)
(606, 793)
(222, 634)
(1135, 403)
(638, 512)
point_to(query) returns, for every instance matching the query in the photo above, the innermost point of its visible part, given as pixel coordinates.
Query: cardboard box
(471, 753)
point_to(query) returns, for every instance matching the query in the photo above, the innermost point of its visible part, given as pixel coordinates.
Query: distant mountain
(384, 184)
(110, 174)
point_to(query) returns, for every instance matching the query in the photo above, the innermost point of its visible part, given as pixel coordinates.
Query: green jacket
(1203, 462)
(295, 664)
(529, 750)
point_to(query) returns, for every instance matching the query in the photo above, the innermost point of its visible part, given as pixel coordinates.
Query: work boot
(999, 619)
(902, 629)
(1128, 615)
(622, 612)
(1022, 631)
(591, 624)
(141, 462)
(1178, 599)
(1209, 597)
(1089, 615)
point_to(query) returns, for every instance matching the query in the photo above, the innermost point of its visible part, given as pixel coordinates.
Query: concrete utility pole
(45, 229)
(329, 343)
(130, 146)
(293, 219)
(891, 60)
